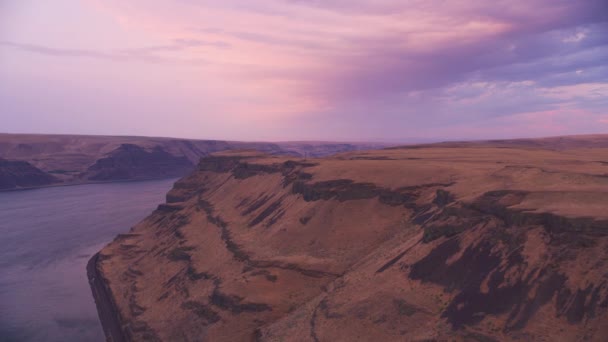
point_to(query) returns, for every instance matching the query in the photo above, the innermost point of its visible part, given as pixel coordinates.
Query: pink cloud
(370, 68)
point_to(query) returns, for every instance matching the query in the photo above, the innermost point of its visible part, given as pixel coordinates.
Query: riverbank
(59, 185)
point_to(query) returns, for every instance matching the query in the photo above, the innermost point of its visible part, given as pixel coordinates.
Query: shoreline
(58, 185)
(106, 308)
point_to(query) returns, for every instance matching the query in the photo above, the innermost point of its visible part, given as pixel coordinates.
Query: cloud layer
(307, 69)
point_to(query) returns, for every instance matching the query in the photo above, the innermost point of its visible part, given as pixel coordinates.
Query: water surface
(46, 238)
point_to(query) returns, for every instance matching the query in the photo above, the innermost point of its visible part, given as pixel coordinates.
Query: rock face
(413, 244)
(134, 162)
(76, 159)
(16, 174)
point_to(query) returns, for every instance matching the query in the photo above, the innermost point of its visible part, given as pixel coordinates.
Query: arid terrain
(488, 241)
(76, 159)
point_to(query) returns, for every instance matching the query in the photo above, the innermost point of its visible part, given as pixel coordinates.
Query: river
(46, 238)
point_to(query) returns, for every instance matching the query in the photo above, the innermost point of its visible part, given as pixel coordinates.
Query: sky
(276, 70)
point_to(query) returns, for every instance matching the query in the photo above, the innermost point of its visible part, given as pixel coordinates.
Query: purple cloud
(341, 69)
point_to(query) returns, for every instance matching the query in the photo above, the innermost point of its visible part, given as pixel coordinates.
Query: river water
(46, 238)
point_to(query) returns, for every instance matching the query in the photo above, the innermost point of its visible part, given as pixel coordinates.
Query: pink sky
(383, 70)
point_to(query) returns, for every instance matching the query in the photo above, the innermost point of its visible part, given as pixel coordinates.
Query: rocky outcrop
(494, 276)
(15, 174)
(132, 162)
(393, 246)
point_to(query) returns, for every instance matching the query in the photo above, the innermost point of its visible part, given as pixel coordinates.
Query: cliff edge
(468, 243)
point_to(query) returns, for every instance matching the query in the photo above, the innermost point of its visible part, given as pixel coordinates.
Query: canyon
(80, 159)
(480, 241)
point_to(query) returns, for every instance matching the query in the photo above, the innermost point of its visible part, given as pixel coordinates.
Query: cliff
(15, 174)
(76, 159)
(468, 243)
(134, 162)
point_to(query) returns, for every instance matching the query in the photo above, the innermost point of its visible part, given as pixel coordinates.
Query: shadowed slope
(16, 174)
(133, 162)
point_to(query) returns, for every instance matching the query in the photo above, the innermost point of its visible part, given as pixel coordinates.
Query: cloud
(364, 49)
(51, 51)
(388, 64)
(148, 54)
(372, 68)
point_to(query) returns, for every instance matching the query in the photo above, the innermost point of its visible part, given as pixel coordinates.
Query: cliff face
(134, 162)
(19, 174)
(467, 243)
(77, 159)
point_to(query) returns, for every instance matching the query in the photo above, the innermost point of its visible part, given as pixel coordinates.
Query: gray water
(46, 238)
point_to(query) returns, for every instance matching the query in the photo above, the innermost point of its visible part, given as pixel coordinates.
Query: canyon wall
(418, 244)
(76, 159)
(15, 174)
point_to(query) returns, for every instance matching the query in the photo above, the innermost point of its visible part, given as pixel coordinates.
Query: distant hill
(74, 159)
(549, 143)
(134, 162)
(15, 174)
